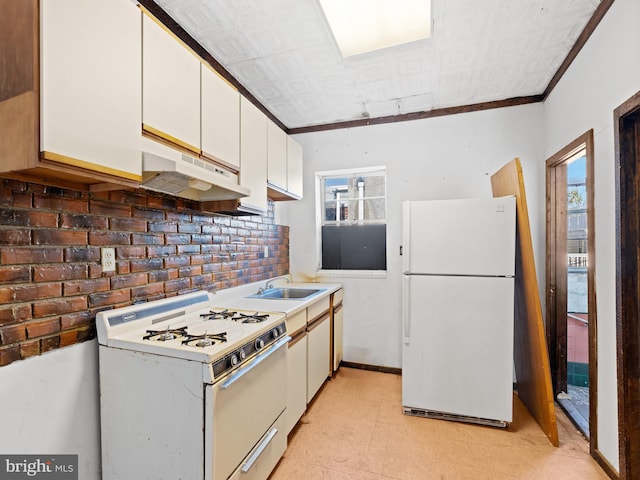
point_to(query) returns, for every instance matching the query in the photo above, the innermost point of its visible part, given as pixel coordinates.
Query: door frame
(556, 272)
(627, 161)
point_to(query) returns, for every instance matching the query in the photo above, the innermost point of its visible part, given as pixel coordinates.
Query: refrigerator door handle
(406, 309)
(405, 249)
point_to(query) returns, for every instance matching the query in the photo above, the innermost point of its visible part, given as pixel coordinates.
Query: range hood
(189, 177)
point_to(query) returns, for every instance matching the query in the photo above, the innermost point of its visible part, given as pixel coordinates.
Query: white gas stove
(173, 369)
(191, 327)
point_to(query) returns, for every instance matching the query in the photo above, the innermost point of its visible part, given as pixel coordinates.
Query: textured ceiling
(284, 54)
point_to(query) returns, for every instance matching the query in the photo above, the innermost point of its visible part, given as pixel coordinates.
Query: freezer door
(457, 352)
(460, 237)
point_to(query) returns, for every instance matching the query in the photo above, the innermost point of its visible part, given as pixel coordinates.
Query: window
(352, 213)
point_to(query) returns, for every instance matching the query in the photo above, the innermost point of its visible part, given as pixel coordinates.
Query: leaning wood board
(531, 357)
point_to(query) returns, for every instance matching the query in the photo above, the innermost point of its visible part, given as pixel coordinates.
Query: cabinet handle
(296, 338)
(254, 456)
(406, 324)
(316, 323)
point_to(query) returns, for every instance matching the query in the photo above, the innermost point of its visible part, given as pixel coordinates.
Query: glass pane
(372, 185)
(330, 211)
(374, 209)
(335, 187)
(362, 210)
(577, 294)
(354, 187)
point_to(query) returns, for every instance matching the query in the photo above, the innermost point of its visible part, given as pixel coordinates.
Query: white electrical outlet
(266, 251)
(108, 259)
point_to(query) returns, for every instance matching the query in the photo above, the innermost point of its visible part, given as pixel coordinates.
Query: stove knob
(259, 343)
(242, 354)
(233, 360)
(274, 333)
(280, 329)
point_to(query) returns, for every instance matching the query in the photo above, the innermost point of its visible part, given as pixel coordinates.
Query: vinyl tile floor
(355, 430)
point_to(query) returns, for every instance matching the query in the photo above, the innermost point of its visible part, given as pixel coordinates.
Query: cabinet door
(220, 120)
(294, 167)
(276, 156)
(253, 157)
(90, 85)
(318, 355)
(337, 336)
(296, 381)
(170, 87)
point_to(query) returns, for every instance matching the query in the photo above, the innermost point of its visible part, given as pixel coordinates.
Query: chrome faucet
(269, 283)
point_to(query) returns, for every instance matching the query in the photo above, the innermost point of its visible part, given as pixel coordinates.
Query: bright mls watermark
(50, 467)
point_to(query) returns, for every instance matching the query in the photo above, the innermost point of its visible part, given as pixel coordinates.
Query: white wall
(605, 74)
(445, 157)
(50, 405)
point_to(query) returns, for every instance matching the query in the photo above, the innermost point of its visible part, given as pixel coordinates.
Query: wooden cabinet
(336, 329)
(220, 129)
(309, 357)
(318, 345)
(90, 61)
(70, 94)
(170, 88)
(294, 168)
(276, 157)
(296, 380)
(318, 354)
(284, 174)
(253, 158)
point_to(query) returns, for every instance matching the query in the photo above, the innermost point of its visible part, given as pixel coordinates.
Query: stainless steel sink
(286, 293)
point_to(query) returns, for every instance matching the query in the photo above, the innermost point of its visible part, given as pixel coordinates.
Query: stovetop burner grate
(222, 315)
(166, 334)
(250, 318)
(204, 340)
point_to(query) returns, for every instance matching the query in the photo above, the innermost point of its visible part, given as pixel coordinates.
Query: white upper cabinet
(90, 61)
(220, 120)
(170, 87)
(253, 157)
(294, 168)
(284, 173)
(276, 156)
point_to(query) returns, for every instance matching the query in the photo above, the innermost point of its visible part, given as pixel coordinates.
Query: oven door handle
(256, 361)
(258, 451)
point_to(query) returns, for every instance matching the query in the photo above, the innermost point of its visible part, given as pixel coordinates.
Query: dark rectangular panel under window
(354, 247)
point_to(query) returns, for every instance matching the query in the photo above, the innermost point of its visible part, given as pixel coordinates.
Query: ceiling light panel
(361, 26)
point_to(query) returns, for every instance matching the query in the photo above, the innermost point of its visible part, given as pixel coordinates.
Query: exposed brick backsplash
(51, 280)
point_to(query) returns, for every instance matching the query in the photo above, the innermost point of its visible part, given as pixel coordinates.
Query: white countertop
(288, 306)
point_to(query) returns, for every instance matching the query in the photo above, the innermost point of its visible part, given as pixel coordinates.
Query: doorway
(570, 276)
(627, 152)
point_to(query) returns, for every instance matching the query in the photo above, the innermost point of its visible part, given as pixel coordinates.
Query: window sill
(351, 273)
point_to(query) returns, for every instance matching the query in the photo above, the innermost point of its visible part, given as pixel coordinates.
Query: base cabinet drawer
(263, 458)
(318, 308)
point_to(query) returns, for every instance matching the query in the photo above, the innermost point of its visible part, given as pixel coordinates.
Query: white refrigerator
(458, 307)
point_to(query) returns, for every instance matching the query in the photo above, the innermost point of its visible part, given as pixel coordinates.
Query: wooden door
(559, 309)
(627, 138)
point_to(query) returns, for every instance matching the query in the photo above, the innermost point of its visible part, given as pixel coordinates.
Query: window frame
(320, 213)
